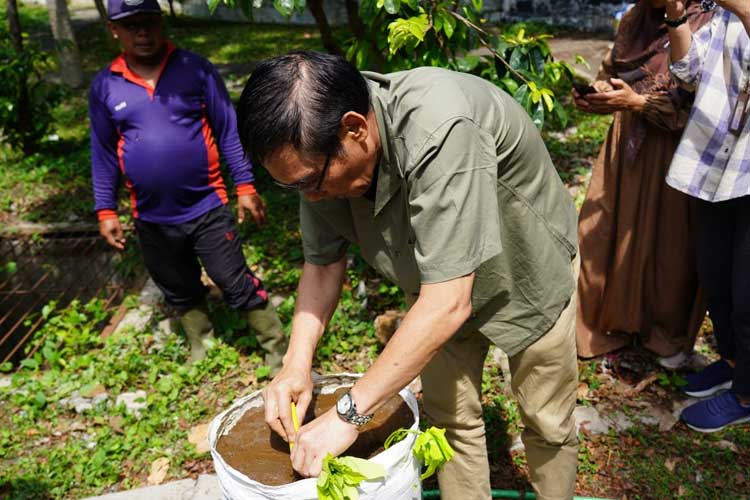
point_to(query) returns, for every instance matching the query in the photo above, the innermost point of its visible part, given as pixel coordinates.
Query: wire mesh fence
(59, 266)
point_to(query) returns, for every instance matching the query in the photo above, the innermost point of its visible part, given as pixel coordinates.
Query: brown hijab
(640, 57)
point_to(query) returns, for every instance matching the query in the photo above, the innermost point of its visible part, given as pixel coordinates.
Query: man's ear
(354, 126)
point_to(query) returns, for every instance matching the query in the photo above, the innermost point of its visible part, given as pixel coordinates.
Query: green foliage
(339, 478)
(431, 448)
(288, 7)
(21, 74)
(350, 328)
(68, 333)
(672, 380)
(587, 373)
(263, 372)
(404, 34)
(452, 35)
(284, 7)
(81, 454)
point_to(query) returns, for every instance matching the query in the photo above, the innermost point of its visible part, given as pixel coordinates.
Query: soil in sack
(252, 448)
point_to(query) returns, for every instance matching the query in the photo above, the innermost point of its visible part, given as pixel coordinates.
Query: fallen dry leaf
(583, 391)
(95, 391)
(644, 383)
(77, 426)
(248, 379)
(727, 445)
(671, 463)
(159, 470)
(115, 423)
(197, 467)
(198, 436)
(666, 419)
(681, 491)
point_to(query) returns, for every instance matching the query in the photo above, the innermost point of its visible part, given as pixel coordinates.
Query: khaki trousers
(544, 381)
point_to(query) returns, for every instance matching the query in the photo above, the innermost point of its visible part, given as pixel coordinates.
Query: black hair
(299, 99)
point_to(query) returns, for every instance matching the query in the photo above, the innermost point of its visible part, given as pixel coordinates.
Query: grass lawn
(50, 449)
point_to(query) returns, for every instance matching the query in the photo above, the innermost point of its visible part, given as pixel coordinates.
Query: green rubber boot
(199, 332)
(270, 334)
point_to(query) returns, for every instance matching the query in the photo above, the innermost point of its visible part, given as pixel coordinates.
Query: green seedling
(339, 478)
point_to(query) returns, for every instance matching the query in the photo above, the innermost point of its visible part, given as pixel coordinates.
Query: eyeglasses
(311, 183)
(136, 25)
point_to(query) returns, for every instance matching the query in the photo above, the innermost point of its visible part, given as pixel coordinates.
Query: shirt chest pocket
(399, 245)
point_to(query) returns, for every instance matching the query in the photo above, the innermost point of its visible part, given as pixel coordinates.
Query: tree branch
(326, 35)
(480, 36)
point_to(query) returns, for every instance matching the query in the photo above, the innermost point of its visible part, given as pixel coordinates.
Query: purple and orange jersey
(164, 141)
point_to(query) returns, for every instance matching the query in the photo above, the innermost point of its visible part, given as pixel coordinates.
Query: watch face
(344, 404)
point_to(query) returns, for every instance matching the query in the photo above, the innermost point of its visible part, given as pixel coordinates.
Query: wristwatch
(673, 23)
(347, 411)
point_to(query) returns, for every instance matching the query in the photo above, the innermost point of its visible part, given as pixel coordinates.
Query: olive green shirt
(465, 184)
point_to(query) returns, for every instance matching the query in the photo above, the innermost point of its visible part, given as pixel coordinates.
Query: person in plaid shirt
(712, 164)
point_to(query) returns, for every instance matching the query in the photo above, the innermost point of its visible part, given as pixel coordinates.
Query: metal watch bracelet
(346, 409)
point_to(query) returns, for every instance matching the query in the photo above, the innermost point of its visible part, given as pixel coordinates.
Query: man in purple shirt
(159, 117)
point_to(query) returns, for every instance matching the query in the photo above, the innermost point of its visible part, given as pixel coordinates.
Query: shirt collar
(120, 65)
(390, 175)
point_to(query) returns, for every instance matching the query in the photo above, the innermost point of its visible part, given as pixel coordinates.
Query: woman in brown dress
(638, 273)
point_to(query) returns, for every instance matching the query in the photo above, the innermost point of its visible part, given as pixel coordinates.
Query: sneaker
(711, 415)
(714, 378)
(676, 361)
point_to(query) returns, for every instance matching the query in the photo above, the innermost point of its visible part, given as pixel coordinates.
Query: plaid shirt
(712, 163)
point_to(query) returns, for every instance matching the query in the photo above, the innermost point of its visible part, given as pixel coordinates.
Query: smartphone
(584, 89)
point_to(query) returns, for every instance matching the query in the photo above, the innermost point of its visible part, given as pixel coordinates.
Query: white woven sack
(402, 469)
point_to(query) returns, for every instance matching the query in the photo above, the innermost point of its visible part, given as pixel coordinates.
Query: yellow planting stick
(295, 421)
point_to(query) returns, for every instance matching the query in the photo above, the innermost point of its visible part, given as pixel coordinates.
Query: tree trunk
(326, 35)
(171, 9)
(102, 11)
(65, 43)
(23, 105)
(359, 32)
(14, 24)
(355, 22)
(111, 43)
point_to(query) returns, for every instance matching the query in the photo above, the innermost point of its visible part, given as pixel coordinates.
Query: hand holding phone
(583, 89)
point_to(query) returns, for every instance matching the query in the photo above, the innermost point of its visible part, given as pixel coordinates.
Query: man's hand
(326, 434)
(291, 384)
(253, 203)
(622, 98)
(111, 231)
